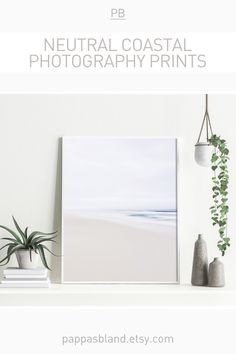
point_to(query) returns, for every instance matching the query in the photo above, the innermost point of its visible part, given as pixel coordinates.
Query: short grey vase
(200, 263)
(216, 273)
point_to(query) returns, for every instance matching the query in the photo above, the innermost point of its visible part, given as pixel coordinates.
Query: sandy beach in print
(120, 250)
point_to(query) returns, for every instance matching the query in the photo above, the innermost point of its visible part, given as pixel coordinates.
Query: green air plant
(22, 240)
(219, 211)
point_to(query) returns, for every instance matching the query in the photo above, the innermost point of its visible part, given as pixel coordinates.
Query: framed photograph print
(119, 210)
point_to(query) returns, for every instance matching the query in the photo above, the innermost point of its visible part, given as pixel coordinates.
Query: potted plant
(220, 179)
(203, 153)
(28, 248)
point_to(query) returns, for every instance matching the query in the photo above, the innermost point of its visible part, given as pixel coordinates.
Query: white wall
(30, 128)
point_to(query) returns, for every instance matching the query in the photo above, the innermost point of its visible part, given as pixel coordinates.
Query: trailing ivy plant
(220, 208)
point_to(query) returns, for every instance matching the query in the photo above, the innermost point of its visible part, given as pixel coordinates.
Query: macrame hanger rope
(206, 121)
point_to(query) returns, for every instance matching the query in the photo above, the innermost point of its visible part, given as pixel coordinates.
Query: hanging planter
(204, 148)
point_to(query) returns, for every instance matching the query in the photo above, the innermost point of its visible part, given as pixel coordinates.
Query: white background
(194, 330)
(214, 48)
(41, 125)
(169, 15)
(151, 17)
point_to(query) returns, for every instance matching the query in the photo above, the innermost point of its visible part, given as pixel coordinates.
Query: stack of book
(25, 278)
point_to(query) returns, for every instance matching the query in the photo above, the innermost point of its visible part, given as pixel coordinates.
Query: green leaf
(215, 188)
(214, 158)
(39, 233)
(26, 233)
(46, 248)
(215, 219)
(42, 256)
(10, 239)
(8, 244)
(10, 253)
(10, 248)
(14, 234)
(19, 230)
(41, 239)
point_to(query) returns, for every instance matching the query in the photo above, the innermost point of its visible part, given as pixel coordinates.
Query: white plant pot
(203, 154)
(25, 261)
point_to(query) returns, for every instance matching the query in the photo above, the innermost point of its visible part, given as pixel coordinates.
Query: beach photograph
(119, 210)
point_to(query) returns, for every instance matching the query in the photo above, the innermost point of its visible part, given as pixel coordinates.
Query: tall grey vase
(200, 263)
(216, 273)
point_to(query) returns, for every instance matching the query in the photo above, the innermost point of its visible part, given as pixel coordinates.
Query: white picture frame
(100, 229)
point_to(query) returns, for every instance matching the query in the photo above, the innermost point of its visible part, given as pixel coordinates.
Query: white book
(18, 271)
(26, 281)
(25, 285)
(25, 276)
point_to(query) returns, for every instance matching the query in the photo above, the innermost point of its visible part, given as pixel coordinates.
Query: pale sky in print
(119, 173)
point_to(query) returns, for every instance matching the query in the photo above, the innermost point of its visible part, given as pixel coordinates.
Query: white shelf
(118, 295)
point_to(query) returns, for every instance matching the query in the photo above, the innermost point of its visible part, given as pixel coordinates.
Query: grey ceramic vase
(200, 263)
(216, 273)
